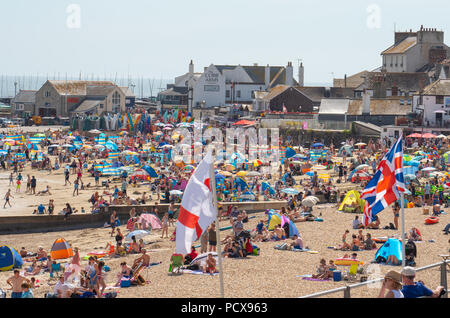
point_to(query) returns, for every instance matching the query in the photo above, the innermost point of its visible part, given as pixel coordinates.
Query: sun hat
(408, 271)
(395, 276)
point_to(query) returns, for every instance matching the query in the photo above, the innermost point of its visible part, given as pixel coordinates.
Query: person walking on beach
(66, 177)
(28, 184)
(75, 187)
(7, 196)
(33, 185)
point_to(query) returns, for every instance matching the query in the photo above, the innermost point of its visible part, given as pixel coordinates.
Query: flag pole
(402, 204)
(219, 247)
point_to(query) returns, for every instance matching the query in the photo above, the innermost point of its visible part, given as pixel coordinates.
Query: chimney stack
(267, 76)
(301, 75)
(191, 69)
(289, 74)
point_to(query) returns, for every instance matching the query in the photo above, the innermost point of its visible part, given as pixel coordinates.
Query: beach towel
(188, 271)
(315, 279)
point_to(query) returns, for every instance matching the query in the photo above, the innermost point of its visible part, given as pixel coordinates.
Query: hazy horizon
(157, 39)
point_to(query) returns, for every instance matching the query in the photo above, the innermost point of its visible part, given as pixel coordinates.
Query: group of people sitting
(358, 242)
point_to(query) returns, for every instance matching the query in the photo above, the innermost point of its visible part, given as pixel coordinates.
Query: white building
(221, 85)
(434, 102)
(413, 50)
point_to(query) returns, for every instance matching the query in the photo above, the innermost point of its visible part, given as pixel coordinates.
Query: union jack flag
(387, 183)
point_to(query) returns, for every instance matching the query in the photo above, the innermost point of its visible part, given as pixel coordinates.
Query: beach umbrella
(441, 136)
(225, 173)
(229, 167)
(317, 145)
(360, 144)
(152, 219)
(253, 174)
(360, 167)
(414, 135)
(176, 192)
(138, 234)
(241, 173)
(428, 135)
(429, 169)
(257, 163)
(410, 176)
(151, 171)
(309, 173)
(95, 131)
(290, 191)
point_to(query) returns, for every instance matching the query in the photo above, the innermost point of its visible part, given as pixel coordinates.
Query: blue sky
(158, 38)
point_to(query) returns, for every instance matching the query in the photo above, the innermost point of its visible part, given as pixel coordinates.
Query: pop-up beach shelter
(391, 247)
(351, 197)
(9, 258)
(61, 249)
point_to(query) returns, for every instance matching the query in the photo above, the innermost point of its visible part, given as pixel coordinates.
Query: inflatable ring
(346, 261)
(432, 220)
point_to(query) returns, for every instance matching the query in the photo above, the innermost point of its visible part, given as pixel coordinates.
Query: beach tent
(350, 198)
(61, 250)
(292, 229)
(150, 170)
(391, 247)
(274, 220)
(290, 152)
(9, 258)
(266, 185)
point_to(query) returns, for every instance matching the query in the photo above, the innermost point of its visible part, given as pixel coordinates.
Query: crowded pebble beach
(270, 253)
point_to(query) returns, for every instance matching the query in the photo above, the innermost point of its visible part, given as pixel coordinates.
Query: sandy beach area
(273, 273)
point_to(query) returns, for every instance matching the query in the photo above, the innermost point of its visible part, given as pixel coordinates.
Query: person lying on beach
(46, 191)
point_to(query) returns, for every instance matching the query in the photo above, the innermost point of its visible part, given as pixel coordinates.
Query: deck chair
(353, 271)
(55, 273)
(137, 277)
(176, 263)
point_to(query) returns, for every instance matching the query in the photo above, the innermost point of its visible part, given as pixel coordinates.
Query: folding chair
(55, 273)
(137, 278)
(352, 272)
(176, 263)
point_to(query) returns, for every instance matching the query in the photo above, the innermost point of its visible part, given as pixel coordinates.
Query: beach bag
(125, 282)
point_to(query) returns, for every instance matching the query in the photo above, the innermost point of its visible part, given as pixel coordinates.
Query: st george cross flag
(197, 211)
(387, 183)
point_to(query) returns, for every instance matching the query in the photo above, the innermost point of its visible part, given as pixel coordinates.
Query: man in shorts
(16, 282)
